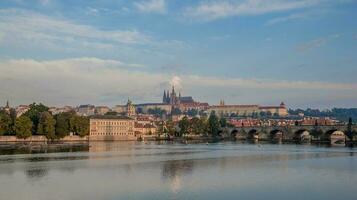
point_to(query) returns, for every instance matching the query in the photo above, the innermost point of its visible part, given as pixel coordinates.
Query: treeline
(39, 121)
(212, 126)
(342, 114)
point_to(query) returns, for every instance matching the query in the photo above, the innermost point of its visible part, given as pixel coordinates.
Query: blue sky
(61, 52)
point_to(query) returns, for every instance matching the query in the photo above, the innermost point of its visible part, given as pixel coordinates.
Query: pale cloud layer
(151, 6)
(109, 82)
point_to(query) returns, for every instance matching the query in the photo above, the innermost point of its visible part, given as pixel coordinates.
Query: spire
(164, 98)
(7, 104)
(173, 89)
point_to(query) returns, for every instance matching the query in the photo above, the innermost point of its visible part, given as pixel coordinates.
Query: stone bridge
(333, 133)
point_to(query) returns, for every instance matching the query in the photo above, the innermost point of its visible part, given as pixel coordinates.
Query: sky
(65, 52)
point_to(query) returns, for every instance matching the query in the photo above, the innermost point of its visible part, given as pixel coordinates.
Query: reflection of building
(111, 128)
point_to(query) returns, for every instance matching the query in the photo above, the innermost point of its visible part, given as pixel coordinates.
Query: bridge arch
(276, 134)
(253, 134)
(234, 133)
(302, 135)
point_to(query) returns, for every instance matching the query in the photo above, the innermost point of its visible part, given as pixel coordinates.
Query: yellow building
(275, 110)
(239, 110)
(111, 128)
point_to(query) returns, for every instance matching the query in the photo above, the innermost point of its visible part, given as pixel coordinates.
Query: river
(138, 170)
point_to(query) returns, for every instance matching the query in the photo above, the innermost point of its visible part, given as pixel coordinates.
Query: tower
(164, 98)
(130, 109)
(173, 97)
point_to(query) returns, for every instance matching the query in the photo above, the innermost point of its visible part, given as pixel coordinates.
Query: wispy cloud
(151, 6)
(23, 26)
(316, 43)
(212, 10)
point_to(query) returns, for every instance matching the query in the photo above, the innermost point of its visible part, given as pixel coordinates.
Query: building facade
(248, 110)
(104, 128)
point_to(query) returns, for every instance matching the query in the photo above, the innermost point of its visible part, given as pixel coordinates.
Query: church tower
(164, 98)
(130, 109)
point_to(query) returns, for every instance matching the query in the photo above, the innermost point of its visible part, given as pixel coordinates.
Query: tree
(5, 123)
(213, 124)
(176, 111)
(184, 125)
(170, 127)
(79, 125)
(192, 112)
(46, 125)
(158, 112)
(34, 114)
(111, 113)
(63, 124)
(223, 122)
(23, 127)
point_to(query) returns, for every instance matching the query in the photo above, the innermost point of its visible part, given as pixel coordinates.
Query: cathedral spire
(164, 98)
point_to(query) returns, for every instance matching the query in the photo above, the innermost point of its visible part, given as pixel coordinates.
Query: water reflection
(137, 170)
(36, 173)
(172, 171)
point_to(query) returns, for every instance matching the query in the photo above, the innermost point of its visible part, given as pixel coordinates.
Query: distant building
(247, 110)
(129, 109)
(239, 110)
(101, 110)
(21, 109)
(111, 128)
(86, 110)
(7, 108)
(55, 110)
(144, 108)
(183, 103)
(275, 110)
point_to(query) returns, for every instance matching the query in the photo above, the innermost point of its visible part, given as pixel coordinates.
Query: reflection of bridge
(335, 133)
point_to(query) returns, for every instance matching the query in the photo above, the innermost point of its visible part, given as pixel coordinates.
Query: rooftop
(111, 117)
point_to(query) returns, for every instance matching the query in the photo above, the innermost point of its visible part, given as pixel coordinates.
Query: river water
(136, 170)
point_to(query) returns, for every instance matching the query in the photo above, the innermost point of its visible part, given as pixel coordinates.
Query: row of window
(112, 128)
(110, 134)
(112, 123)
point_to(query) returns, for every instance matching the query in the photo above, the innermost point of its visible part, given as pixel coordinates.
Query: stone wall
(41, 138)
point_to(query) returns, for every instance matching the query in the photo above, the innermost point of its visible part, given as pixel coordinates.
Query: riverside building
(111, 128)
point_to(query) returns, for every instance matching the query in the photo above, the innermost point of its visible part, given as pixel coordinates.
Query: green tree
(184, 125)
(5, 123)
(63, 124)
(34, 114)
(23, 126)
(176, 111)
(111, 113)
(223, 122)
(46, 125)
(170, 127)
(198, 125)
(79, 125)
(213, 124)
